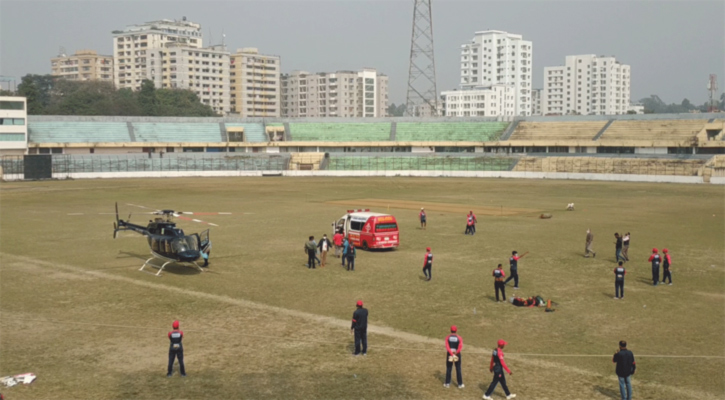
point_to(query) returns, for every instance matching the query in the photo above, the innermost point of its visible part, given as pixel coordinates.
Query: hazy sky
(672, 46)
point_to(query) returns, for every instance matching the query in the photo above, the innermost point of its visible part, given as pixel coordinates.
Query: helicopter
(167, 242)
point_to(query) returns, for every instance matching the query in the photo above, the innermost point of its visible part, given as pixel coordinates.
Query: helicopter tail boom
(121, 225)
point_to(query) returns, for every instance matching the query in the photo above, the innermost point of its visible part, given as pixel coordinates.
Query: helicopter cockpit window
(186, 243)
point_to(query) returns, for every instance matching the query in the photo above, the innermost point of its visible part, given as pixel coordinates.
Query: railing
(63, 164)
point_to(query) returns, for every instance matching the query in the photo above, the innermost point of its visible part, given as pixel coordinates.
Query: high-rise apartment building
(205, 71)
(536, 101)
(499, 58)
(255, 84)
(134, 46)
(587, 85)
(171, 55)
(345, 94)
(84, 65)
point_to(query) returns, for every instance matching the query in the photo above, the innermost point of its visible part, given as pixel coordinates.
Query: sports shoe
(168, 375)
(487, 397)
(445, 385)
(616, 298)
(516, 287)
(511, 396)
(669, 284)
(183, 375)
(461, 386)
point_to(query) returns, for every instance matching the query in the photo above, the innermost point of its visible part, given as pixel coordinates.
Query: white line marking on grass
(342, 324)
(327, 342)
(75, 213)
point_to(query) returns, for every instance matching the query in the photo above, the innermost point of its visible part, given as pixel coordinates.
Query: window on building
(12, 105)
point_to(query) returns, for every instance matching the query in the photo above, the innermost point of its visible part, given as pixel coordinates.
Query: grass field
(75, 310)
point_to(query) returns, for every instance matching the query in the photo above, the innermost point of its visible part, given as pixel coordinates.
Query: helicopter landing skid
(168, 261)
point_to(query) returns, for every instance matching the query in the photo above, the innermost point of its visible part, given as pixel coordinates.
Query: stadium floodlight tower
(422, 99)
(712, 89)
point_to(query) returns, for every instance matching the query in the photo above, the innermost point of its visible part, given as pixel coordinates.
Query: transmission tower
(422, 99)
(712, 88)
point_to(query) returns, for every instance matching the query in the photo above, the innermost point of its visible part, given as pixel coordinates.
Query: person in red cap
(359, 328)
(428, 264)
(498, 365)
(176, 349)
(666, 263)
(454, 345)
(498, 284)
(655, 259)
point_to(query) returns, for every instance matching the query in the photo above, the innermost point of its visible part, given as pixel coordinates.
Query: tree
(181, 103)
(38, 90)
(147, 98)
(686, 104)
(4, 92)
(722, 101)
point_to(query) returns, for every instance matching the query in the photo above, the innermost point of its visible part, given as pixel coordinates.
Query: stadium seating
(340, 132)
(423, 162)
(449, 131)
(654, 130)
(169, 132)
(78, 132)
(611, 165)
(585, 130)
(253, 133)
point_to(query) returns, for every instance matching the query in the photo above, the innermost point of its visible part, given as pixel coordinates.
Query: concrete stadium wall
(438, 174)
(562, 118)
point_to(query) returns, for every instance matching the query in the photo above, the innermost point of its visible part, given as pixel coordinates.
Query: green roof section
(340, 132)
(449, 131)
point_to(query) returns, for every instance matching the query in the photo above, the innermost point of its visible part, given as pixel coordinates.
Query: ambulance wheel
(365, 246)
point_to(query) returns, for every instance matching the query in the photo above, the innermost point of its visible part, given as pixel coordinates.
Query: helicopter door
(205, 241)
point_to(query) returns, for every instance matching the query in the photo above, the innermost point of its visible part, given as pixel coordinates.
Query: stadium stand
(253, 133)
(654, 130)
(419, 163)
(340, 132)
(449, 131)
(584, 130)
(78, 132)
(170, 162)
(612, 165)
(306, 161)
(169, 132)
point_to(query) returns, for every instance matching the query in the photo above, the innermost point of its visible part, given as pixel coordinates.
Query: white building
(13, 125)
(492, 101)
(587, 85)
(345, 94)
(536, 101)
(134, 46)
(205, 71)
(497, 57)
(635, 108)
(255, 84)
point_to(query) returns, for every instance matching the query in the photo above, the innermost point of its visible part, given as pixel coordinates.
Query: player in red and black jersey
(498, 365)
(428, 264)
(454, 345)
(498, 284)
(176, 349)
(666, 265)
(655, 259)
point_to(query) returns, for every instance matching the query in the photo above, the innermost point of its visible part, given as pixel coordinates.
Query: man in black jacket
(625, 369)
(359, 327)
